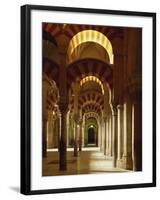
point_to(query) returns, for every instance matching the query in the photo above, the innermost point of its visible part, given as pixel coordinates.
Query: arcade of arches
(92, 99)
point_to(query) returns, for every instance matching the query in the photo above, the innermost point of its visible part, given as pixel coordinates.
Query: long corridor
(91, 99)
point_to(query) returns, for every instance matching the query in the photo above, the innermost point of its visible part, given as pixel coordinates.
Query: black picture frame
(26, 98)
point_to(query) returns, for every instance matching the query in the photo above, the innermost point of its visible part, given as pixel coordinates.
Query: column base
(108, 157)
(137, 163)
(63, 168)
(119, 163)
(102, 149)
(62, 156)
(75, 154)
(80, 147)
(106, 153)
(63, 165)
(127, 162)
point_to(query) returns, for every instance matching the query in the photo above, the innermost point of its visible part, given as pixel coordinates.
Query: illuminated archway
(90, 36)
(91, 115)
(92, 78)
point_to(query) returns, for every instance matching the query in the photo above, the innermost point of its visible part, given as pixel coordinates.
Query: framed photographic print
(88, 99)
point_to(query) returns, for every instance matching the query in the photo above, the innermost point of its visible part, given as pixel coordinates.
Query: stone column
(76, 88)
(75, 140)
(100, 131)
(63, 135)
(110, 135)
(44, 116)
(120, 135)
(114, 134)
(68, 124)
(135, 65)
(137, 136)
(102, 134)
(99, 134)
(56, 136)
(105, 135)
(127, 151)
(80, 135)
(50, 130)
(59, 129)
(63, 107)
(137, 132)
(76, 135)
(44, 136)
(107, 138)
(83, 130)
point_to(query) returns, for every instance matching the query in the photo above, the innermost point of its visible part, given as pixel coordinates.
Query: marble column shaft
(114, 126)
(80, 136)
(75, 139)
(63, 106)
(44, 137)
(63, 139)
(127, 151)
(105, 135)
(120, 131)
(110, 136)
(50, 130)
(76, 117)
(137, 131)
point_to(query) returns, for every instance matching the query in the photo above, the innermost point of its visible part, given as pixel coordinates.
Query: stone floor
(89, 161)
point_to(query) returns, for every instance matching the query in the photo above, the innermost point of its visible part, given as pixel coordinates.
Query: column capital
(76, 118)
(80, 121)
(119, 106)
(113, 108)
(105, 118)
